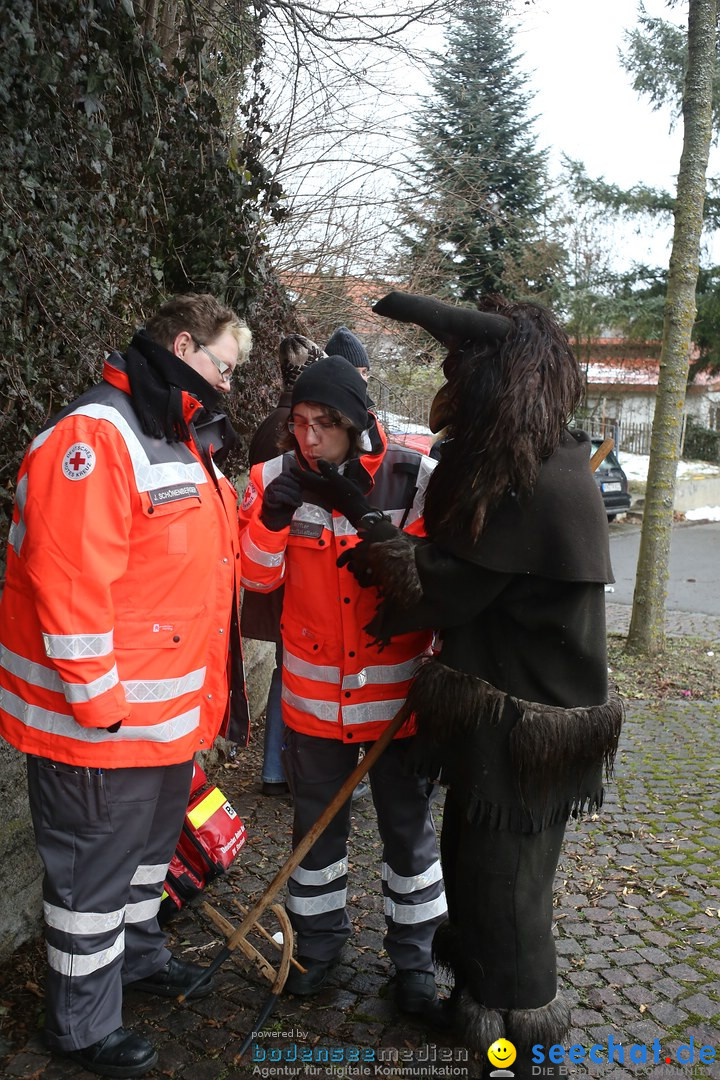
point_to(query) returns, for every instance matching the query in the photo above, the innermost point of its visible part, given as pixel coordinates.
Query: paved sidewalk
(677, 623)
(637, 921)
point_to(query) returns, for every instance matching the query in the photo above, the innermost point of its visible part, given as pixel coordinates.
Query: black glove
(280, 501)
(337, 490)
(359, 559)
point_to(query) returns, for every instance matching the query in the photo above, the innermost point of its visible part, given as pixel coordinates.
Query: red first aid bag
(212, 835)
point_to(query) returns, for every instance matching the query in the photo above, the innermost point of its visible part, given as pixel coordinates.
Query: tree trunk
(647, 626)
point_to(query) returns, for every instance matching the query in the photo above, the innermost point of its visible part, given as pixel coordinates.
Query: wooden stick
(601, 453)
(315, 830)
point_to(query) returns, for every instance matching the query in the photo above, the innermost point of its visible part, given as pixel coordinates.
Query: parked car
(609, 475)
(612, 482)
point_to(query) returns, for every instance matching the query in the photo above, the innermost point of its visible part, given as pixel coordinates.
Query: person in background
(261, 612)
(120, 658)
(337, 695)
(344, 343)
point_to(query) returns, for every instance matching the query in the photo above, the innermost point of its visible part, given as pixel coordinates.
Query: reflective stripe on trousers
(411, 878)
(105, 839)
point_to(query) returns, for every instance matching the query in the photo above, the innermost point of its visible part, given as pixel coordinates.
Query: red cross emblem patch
(79, 461)
(251, 494)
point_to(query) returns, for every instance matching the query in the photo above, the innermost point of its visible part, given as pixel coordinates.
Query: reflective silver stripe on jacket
(264, 558)
(400, 884)
(307, 670)
(149, 874)
(176, 727)
(314, 515)
(371, 712)
(40, 439)
(258, 586)
(316, 905)
(148, 475)
(408, 914)
(29, 671)
(141, 691)
(320, 877)
(81, 922)
(142, 910)
(74, 966)
(321, 710)
(79, 692)
(78, 646)
(18, 528)
(342, 527)
(137, 691)
(427, 466)
(271, 470)
(382, 673)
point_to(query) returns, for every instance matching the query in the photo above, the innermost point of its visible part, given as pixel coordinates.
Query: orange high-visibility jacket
(122, 561)
(335, 683)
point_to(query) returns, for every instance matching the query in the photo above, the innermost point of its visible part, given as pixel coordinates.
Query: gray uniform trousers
(105, 838)
(412, 886)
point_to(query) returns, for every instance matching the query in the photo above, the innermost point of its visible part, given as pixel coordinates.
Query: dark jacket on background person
(260, 618)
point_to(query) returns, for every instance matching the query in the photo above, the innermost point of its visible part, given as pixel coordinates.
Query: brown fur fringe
(531, 819)
(393, 565)
(546, 740)
(447, 702)
(549, 1024)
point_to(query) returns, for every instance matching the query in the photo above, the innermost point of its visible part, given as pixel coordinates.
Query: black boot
(176, 978)
(120, 1054)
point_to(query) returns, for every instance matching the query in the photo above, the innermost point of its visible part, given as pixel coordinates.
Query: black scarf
(157, 379)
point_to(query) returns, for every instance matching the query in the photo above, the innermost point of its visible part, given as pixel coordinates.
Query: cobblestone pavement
(637, 923)
(677, 623)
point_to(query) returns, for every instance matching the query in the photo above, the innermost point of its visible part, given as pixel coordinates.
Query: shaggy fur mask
(512, 384)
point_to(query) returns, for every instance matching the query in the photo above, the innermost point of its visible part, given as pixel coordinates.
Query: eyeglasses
(298, 427)
(223, 368)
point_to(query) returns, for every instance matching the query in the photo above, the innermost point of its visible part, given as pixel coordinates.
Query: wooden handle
(601, 453)
(315, 830)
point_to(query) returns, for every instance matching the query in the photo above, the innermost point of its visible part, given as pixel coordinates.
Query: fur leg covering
(547, 1025)
(477, 1027)
(447, 950)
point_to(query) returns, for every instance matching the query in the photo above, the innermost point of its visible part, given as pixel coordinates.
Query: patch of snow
(636, 467)
(400, 424)
(703, 513)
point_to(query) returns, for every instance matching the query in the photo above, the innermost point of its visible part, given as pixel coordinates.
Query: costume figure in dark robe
(514, 711)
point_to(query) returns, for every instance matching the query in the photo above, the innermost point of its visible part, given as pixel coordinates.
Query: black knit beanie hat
(344, 343)
(334, 382)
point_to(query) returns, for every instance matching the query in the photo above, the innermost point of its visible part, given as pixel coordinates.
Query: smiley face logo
(502, 1053)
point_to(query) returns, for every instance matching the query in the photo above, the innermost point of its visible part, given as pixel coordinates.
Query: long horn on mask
(450, 325)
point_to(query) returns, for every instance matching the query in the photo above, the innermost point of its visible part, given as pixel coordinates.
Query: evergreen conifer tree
(479, 190)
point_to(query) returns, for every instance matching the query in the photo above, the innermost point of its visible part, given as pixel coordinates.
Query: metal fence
(413, 407)
(409, 406)
(628, 438)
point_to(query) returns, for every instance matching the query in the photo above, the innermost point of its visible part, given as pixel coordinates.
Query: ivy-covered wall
(121, 185)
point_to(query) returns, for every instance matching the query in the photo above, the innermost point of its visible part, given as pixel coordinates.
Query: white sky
(586, 106)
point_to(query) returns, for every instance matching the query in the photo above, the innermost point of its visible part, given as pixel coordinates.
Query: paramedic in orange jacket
(338, 693)
(118, 651)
